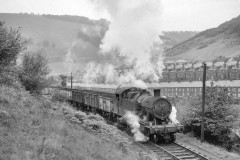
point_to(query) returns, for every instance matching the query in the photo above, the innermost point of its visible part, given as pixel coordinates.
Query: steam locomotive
(153, 111)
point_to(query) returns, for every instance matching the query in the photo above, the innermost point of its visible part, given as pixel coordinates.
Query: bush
(58, 96)
(220, 117)
(9, 77)
(63, 80)
(33, 72)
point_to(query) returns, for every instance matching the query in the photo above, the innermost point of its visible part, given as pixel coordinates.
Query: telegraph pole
(203, 101)
(71, 80)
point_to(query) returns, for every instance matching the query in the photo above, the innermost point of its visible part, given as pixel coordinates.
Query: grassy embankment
(37, 128)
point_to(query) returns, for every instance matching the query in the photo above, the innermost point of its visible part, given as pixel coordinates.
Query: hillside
(172, 38)
(71, 41)
(209, 44)
(37, 128)
(59, 36)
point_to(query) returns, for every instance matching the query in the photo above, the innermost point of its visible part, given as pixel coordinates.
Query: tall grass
(36, 128)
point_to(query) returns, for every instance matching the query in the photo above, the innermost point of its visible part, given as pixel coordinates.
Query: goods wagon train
(153, 111)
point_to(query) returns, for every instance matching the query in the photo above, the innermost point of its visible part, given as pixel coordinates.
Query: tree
(11, 44)
(33, 71)
(220, 117)
(52, 81)
(64, 80)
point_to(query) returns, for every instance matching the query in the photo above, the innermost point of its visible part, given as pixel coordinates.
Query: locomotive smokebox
(156, 106)
(156, 92)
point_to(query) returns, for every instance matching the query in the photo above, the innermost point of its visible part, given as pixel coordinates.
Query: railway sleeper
(178, 151)
(186, 157)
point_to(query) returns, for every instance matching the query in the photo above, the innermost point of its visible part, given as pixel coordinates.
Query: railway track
(174, 151)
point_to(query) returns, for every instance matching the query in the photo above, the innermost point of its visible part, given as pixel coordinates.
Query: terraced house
(184, 78)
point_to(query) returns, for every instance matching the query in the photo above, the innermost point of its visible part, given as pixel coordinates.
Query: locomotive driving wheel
(153, 138)
(172, 137)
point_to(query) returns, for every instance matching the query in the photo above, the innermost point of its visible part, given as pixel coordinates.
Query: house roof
(188, 65)
(231, 63)
(170, 67)
(178, 66)
(181, 61)
(169, 62)
(209, 63)
(197, 65)
(217, 64)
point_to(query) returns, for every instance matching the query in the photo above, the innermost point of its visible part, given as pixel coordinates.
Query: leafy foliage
(52, 80)
(59, 97)
(220, 117)
(9, 76)
(64, 80)
(33, 71)
(11, 44)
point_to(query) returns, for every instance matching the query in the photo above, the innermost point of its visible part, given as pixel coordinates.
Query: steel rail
(174, 151)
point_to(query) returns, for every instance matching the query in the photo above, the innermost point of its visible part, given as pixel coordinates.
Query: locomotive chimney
(156, 92)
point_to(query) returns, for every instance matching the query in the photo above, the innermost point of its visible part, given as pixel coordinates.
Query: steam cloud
(133, 36)
(173, 116)
(68, 60)
(133, 122)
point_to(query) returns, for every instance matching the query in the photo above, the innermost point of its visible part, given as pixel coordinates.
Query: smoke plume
(133, 35)
(133, 122)
(173, 116)
(69, 60)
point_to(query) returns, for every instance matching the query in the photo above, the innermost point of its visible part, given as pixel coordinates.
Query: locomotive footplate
(168, 128)
(162, 129)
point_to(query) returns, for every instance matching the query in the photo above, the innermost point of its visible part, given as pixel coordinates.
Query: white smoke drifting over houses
(133, 121)
(69, 59)
(173, 116)
(133, 34)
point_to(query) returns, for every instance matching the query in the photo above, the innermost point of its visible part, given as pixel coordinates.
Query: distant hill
(71, 41)
(59, 35)
(172, 38)
(212, 43)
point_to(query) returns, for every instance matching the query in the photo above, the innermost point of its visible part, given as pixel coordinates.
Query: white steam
(237, 132)
(133, 34)
(134, 27)
(106, 74)
(68, 59)
(173, 116)
(133, 122)
(97, 73)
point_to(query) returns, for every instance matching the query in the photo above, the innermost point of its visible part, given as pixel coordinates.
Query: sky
(177, 15)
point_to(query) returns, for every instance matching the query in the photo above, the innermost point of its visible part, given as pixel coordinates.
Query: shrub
(220, 117)
(33, 72)
(9, 77)
(63, 80)
(58, 96)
